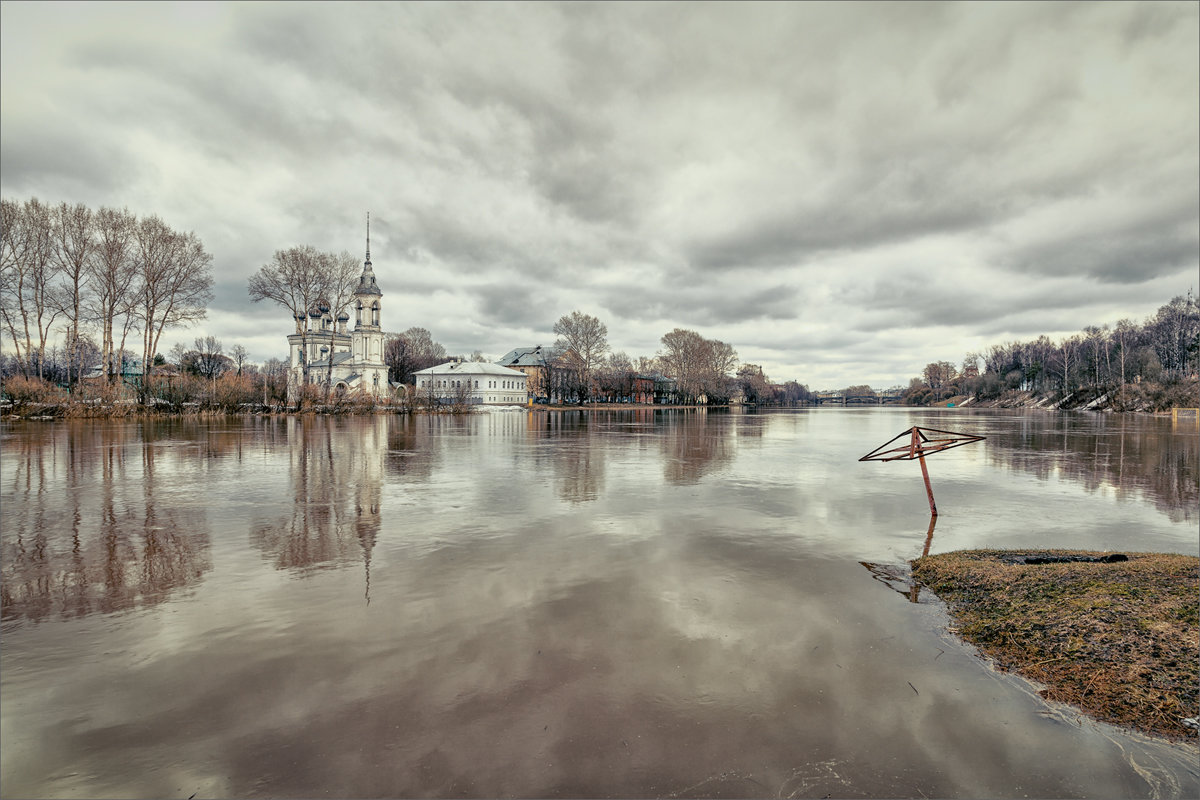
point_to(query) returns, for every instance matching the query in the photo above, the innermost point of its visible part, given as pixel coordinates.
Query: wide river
(605, 604)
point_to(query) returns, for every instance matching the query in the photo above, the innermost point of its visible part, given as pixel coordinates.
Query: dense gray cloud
(844, 192)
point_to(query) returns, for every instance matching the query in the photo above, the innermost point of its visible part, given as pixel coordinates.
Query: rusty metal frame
(919, 446)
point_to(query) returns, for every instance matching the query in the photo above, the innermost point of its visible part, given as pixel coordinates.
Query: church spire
(366, 282)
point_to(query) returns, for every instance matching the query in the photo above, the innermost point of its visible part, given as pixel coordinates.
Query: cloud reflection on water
(629, 604)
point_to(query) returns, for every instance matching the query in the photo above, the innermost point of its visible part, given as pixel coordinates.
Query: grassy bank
(1121, 640)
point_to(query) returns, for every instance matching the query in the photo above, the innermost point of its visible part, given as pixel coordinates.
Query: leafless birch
(12, 264)
(75, 241)
(175, 282)
(111, 279)
(28, 291)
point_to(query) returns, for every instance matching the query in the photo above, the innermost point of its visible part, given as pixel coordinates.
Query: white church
(326, 354)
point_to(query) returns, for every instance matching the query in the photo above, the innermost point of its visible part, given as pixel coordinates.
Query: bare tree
(720, 363)
(1175, 334)
(410, 352)
(341, 273)
(111, 280)
(938, 375)
(176, 354)
(700, 366)
(795, 393)
(683, 357)
(1094, 339)
(620, 361)
(12, 267)
(274, 366)
(208, 359)
(754, 384)
(648, 365)
(29, 298)
(75, 241)
(1067, 356)
(586, 336)
(396, 356)
(614, 378)
(238, 354)
(566, 378)
(274, 376)
(294, 279)
(1124, 337)
(175, 274)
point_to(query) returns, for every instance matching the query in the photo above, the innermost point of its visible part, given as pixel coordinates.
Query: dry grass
(1121, 640)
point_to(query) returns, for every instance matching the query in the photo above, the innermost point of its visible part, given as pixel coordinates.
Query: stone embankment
(1152, 398)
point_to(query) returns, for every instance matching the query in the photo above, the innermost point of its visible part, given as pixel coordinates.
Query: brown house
(532, 362)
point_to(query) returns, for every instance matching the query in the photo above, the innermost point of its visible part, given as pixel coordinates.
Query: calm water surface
(647, 604)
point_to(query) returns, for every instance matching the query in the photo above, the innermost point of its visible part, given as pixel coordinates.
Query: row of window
(449, 384)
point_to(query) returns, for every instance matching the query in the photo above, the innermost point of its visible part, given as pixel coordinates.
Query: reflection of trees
(1129, 454)
(692, 442)
(750, 424)
(577, 457)
(409, 456)
(336, 478)
(112, 545)
(580, 470)
(692, 445)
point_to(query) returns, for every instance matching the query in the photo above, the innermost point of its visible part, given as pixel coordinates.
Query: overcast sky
(843, 192)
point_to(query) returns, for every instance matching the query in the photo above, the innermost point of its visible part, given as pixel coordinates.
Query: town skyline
(842, 193)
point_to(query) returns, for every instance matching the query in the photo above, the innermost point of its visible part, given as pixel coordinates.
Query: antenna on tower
(368, 237)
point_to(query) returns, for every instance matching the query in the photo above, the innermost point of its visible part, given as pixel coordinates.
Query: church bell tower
(368, 334)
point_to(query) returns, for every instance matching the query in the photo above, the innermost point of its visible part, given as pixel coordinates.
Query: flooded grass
(1118, 640)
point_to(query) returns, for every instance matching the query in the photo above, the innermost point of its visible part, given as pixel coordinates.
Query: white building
(325, 354)
(472, 382)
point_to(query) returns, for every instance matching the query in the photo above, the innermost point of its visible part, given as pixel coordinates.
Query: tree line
(113, 283)
(1152, 364)
(581, 366)
(108, 278)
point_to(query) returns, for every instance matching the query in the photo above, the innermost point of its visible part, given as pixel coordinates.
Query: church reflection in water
(335, 477)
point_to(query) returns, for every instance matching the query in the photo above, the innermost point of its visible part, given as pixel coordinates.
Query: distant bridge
(843, 399)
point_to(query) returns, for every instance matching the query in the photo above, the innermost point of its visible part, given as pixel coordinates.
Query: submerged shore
(1116, 638)
(127, 409)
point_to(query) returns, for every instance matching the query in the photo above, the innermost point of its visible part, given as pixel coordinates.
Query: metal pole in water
(924, 473)
(916, 450)
(929, 535)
